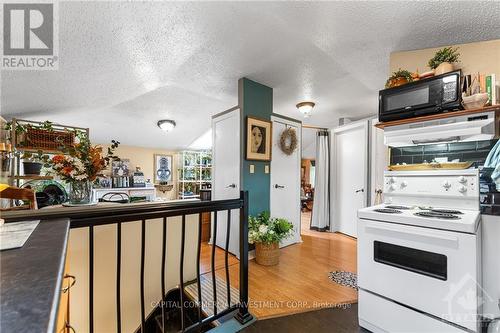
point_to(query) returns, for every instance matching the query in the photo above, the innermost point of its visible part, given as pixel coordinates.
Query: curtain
(321, 206)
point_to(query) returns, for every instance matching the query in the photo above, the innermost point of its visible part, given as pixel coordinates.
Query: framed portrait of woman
(259, 134)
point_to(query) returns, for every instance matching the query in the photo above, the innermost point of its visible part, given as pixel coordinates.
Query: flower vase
(80, 192)
(267, 254)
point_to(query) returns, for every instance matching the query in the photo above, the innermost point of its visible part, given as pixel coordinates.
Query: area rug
(344, 278)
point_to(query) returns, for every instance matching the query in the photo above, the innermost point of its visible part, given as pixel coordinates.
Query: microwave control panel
(450, 91)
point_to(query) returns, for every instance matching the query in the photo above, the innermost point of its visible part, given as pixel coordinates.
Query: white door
(285, 179)
(349, 175)
(226, 176)
(378, 162)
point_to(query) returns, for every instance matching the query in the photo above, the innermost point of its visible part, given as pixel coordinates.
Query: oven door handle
(423, 236)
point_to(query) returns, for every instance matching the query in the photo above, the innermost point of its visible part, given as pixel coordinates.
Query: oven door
(432, 271)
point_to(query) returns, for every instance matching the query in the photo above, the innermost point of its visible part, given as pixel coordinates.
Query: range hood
(476, 127)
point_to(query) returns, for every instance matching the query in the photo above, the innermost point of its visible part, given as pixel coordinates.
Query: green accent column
(255, 100)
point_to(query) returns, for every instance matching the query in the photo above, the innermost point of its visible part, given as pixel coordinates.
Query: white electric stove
(419, 254)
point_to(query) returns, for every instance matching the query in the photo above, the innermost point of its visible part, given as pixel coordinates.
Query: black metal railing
(92, 218)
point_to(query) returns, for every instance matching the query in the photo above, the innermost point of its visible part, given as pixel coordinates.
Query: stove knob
(446, 184)
(392, 180)
(404, 184)
(462, 189)
(392, 187)
(462, 180)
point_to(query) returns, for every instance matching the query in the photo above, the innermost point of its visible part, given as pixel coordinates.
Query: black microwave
(436, 94)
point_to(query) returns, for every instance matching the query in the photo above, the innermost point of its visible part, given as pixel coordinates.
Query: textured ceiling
(124, 65)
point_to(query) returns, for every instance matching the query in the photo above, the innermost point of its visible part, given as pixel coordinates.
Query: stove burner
(397, 207)
(387, 210)
(437, 215)
(446, 211)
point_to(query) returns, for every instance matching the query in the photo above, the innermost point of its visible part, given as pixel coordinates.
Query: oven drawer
(380, 315)
(434, 271)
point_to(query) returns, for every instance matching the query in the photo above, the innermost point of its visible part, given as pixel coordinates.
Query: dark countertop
(31, 279)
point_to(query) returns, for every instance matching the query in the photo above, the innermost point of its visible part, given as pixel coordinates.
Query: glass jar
(80, 192)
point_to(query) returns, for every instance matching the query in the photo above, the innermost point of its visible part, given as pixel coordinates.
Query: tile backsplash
(474, 151)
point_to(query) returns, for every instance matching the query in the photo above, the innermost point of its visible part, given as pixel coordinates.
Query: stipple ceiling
(124, 65)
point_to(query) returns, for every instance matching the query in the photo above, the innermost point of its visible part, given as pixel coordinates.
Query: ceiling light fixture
(305, 108)
(166, 125)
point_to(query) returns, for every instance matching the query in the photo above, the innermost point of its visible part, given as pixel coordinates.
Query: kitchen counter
(31, 279)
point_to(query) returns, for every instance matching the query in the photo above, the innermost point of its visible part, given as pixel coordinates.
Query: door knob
(231, 186)
(278, 186)
(360, 190)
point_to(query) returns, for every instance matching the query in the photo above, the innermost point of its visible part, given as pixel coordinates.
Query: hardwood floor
(300, 282)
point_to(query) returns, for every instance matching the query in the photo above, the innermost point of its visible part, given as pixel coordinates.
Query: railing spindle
(243, 316)
(226, 258)
(163, 257)
(181, 275)
(214, 285)
(118, 280)
(143, 250)
(91, 279)
(198, 268)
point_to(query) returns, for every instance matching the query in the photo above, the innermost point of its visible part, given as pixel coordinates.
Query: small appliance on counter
(436, 94)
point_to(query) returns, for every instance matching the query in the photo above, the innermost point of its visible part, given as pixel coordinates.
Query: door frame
(296, 123)
(364, 123)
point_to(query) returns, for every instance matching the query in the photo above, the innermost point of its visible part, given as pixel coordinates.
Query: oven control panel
(437, 188)
(450, 185)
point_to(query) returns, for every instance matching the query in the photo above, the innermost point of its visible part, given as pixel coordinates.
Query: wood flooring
(300, 282)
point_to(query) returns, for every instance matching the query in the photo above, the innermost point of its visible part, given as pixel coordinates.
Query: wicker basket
(36, 138)
(267, 254)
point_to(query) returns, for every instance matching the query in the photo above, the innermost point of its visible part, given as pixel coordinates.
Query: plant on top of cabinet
(398, 78)
(80, 165)
(266, 233)
(444, 60)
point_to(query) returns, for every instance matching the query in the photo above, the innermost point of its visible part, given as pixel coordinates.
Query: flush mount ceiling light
(305, 108)
(166, 125)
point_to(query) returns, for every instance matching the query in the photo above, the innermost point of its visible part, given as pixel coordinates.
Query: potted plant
(444, 60)
(398, 78)
(33, 162)
(80, 165)
(266, 233)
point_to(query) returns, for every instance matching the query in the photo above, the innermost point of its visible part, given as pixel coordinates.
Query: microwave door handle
(451, 242)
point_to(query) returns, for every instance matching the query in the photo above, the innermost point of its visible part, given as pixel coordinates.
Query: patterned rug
(344, 278)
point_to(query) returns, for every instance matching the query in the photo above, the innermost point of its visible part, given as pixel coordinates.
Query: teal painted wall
(255, 100)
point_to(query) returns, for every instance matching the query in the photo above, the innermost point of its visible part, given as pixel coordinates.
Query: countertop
(31, 279)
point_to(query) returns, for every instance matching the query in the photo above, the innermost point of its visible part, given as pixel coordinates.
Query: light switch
(266, 168)
(252, 168)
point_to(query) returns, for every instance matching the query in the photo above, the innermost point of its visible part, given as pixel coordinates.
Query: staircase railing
(100, 216)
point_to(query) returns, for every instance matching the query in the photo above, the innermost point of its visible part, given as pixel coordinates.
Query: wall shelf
(494, 108)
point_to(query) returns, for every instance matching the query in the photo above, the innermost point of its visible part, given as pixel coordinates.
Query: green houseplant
(444, 60)
(398, 78)
(266, 233)
(33, 162)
